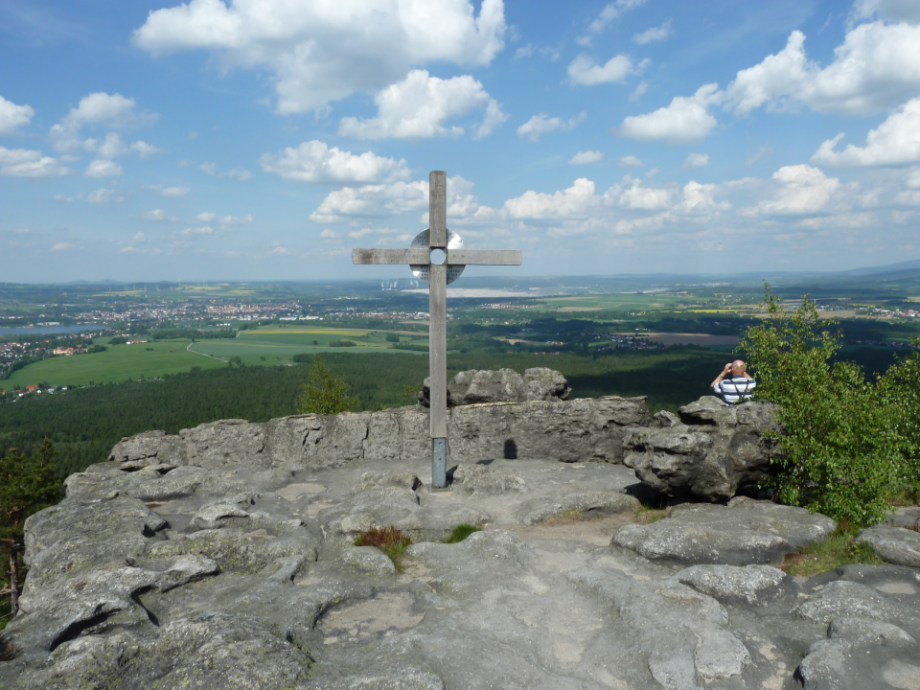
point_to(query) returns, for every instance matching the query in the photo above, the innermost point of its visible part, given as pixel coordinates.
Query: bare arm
(725, 372)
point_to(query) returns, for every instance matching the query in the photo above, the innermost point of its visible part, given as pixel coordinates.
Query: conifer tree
(27, 485)
(326, 393)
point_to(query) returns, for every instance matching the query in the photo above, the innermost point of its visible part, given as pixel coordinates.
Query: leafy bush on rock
(844, 445)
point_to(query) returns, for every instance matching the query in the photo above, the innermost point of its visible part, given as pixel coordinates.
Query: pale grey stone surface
(745, 532)
(711, 451)
(569, 430)
(504, 385)
(895, 544)
(147, 575)
(754, 584)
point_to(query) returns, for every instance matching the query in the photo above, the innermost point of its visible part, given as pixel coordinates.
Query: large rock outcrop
(570, 431)
(710, 451)
(504, 385)
(239, 576)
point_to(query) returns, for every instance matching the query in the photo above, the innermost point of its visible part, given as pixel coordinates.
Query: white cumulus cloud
(61, 247)
(584, 71)
(586, 157)
(876, 67)
(802, 189)
(13, 116)
(28, 163)
(321, 52)
(684, 120)
(159, 215)
(696, 160)
(143, 148)
(655, 33)
(371, 200)
(889, 10)
(419, 105)
(895, 142)
(174, 191)
(542, 124)
(392, 199)
(239, 175)
(236, 220)
(630, 162)
(574, 201)
(315, 162)
(608, 14)
(105, 196)
(103, 168)
(112, 110)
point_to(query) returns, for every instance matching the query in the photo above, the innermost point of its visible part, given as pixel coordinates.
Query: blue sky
(263, 139)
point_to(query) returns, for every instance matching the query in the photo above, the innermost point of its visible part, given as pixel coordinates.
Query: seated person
(734, 384)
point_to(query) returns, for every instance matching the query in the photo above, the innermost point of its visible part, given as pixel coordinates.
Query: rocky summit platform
(162, 573)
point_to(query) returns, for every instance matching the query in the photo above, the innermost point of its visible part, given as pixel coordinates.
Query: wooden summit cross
(434, 259)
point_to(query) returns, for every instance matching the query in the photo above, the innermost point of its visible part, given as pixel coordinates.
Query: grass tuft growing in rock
(830, 553)
(905, 497)
(388, 539)
(646, 514)
(461, 532)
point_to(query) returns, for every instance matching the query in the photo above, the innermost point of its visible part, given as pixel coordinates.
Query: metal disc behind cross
(454, 241)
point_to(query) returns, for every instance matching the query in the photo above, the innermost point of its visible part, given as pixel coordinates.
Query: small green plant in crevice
(647, 514)
(389, 540)
(461, 532)
(905, 496)
(835, 550)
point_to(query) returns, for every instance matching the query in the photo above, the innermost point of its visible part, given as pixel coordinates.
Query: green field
(118, 363)
(621, 302)
(268, 346)
(279, 345)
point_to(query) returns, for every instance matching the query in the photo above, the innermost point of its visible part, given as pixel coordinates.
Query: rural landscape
(460, 345)
(169, 357)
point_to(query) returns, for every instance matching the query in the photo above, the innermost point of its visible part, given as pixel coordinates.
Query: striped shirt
(735, 389)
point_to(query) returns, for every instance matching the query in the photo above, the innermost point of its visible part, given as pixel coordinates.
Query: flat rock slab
(895, 544)
(742, 533)
(246, 577)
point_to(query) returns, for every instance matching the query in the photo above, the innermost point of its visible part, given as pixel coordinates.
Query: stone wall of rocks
(582, 430)
(710, 450)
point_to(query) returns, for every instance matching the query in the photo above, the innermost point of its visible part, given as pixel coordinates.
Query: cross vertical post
(433, 253)
(437, 329)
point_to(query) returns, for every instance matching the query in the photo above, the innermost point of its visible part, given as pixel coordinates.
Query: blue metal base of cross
(439, 464)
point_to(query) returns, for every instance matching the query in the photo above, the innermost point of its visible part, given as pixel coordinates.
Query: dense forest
(85, 423)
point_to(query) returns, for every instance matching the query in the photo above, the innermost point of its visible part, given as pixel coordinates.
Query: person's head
(738, 367)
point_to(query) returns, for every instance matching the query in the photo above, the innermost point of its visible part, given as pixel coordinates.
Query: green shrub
(842, 452)
(900, 386)
(342, 343)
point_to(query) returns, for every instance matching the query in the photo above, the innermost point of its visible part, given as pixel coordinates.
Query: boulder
(896, 545)
(505, 385)
(711, 451)
(745, 532)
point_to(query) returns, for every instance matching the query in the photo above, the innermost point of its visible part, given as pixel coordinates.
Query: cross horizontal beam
(455, 257)
(390, 256)
(484, 257)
